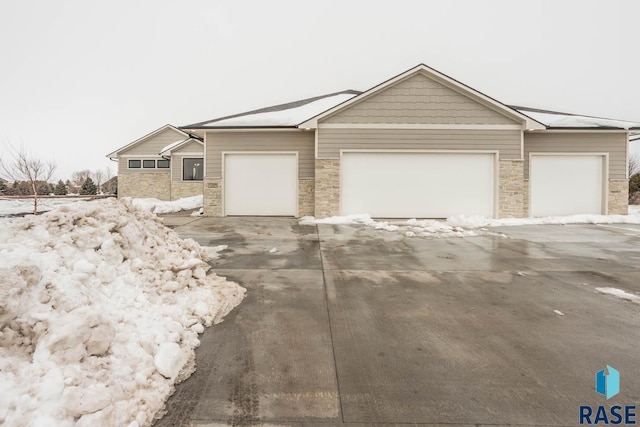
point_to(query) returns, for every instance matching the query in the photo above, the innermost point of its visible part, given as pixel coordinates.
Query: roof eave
(606, 128)
(239, 127)
(182, 144)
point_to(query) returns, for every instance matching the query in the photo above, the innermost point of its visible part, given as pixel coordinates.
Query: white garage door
(422, 185)
(566, 185)
(260, 184)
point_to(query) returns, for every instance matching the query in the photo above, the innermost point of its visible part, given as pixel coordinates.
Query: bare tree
(79, 177)
(98, 178)
(634, 164)
(20, 165)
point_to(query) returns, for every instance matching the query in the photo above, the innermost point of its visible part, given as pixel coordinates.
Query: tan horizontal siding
(331, 141)
(123, 168)
(176, 168)
(419, 100)
(302, 142)
(614, 143)
(192, 147)
(154, 145)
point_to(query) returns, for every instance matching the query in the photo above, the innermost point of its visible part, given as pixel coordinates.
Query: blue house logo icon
(608, 385)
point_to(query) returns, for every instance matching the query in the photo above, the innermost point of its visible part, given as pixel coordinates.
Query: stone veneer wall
(327, 186)
(213, 197)
(306, 197)
(618, 197)
(180, 189)
(148, 184)
(511, 197)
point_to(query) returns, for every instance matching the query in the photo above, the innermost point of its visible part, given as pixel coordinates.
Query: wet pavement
(346, 325)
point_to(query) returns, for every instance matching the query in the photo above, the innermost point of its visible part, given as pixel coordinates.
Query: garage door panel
(566, 185)
(428, 185)
(260, 184)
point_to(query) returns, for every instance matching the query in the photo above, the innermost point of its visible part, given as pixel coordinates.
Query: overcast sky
(79, 79)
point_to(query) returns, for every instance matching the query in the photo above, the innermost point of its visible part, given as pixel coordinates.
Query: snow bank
(158, 206)
(469, 226)
(477, 221)
(25, 206)
(100, 310)
(410, 228)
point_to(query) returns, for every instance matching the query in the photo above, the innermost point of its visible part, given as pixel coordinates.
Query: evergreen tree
(88, 188)
(60, 189)
(3, 187)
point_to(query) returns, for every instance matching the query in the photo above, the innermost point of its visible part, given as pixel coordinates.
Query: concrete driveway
(352, 326)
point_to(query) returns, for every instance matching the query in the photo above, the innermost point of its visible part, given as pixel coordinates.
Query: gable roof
(179, 144)
(288, 115)
(480, 97)
(114, 154)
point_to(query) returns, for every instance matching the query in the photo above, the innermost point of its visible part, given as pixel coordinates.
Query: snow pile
(199, 212)
(25, 206)
(410, 228)
(164, 207)
(100, 310)
(479, 221)
(619, 293)
(468, 226)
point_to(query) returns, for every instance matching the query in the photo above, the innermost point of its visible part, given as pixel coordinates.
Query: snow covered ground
(464, 226)
(25, 206)
(100, 310)
(10, 207)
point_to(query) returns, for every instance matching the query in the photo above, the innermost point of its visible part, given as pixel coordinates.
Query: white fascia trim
(287, 129)
(147, 136)
(416, 126)
(365, 150)
(142, 156)
(259, 152)
(589, 130)
(529, 123)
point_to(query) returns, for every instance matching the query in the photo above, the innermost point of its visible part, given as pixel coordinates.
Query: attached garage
(568, 184)
(420, 144)
(418, 184)
(261, 183)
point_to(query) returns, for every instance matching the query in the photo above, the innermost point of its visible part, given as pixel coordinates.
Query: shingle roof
(559, 120)
(289, 114)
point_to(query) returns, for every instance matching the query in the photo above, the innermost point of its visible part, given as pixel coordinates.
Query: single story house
(420, 144)
(166, 164)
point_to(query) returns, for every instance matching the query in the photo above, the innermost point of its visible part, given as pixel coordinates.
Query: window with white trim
(135, 164)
